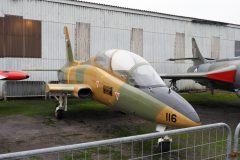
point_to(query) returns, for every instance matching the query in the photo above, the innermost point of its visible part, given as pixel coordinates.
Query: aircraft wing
(2, 77)
(66, 88)
(224, 74)
(183, 76)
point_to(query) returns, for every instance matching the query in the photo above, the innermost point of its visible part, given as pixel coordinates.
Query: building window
(215, 47)
(180, 46)
(237, 48)
(136, 45)
(82, 41)
(21, 38)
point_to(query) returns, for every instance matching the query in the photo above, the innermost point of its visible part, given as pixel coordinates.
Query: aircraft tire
(59, 114)
(164, 147)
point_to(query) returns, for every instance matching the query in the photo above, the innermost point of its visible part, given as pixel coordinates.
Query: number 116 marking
(171, 117)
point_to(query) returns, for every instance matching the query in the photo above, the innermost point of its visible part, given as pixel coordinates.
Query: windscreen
(145, 76)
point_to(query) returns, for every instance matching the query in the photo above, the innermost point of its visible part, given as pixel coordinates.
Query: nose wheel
(61, 106)
(164, 143)
(59, 114)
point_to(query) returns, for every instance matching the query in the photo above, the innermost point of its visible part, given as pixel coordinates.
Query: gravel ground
(19, 133)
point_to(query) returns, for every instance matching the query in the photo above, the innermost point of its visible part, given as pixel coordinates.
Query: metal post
(234, 154)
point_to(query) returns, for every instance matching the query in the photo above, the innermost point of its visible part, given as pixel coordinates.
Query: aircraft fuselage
(119, 95)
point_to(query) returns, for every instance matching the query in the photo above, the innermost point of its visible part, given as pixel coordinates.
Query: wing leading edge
(225, 74)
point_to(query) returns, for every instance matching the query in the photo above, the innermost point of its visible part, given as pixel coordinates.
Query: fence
(23, 89)
(203, 142)
(236, 143)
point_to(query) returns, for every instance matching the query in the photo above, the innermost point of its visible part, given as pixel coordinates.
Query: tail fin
(198, 58)
(68, 46)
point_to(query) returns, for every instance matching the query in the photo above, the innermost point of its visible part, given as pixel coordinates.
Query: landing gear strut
(62, 106)
(237, 91)
(173, 85)
(164, 143)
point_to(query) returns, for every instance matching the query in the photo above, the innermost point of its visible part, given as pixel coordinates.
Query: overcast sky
(218, 10)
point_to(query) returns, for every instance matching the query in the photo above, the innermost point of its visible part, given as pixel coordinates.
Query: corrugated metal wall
(137, 41)
(82, 41)
(215, 47)
(180, 46)
(112, 29)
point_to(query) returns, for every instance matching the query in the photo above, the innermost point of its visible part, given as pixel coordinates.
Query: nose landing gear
(61, 107)
(173, 85)
(164, 143)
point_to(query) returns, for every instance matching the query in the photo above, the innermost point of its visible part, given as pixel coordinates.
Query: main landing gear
(173, 86)
(61, 106)
(164, 143)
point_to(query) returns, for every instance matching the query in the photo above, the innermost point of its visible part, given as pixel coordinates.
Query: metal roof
(142, 12)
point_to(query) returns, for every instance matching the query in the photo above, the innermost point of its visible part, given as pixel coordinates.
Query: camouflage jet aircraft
(215, 74)
(123, 81)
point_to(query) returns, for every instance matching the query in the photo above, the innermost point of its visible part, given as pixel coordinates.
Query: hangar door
(1, 38)
(215, 47)
(137, 41)
(82, 41)
(180, 46)
(237, 48)
(20, 37)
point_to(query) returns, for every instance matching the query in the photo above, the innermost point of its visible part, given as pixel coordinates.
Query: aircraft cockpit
(136, 70)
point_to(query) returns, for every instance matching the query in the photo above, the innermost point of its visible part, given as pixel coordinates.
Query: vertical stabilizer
(197, 54)
(68, 46)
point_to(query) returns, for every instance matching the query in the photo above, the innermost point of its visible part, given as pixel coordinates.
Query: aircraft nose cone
(175, 101)
(194, 117)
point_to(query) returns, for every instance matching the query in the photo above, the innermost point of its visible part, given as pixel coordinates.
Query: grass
(47, 107)
(44, 107)
(89, 108)
(125, 130)
(219, 98)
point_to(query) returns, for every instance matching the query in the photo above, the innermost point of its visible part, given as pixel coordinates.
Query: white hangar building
(31, 36)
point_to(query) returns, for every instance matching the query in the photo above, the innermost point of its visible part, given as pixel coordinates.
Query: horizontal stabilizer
(178, 59)
(46, 70)
(210, 59)
(64, 88)
(193, 59)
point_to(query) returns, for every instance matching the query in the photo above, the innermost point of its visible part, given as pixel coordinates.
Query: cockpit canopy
(134, 68)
